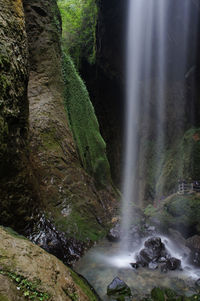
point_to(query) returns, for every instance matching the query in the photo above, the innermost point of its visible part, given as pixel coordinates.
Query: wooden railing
(184, 188)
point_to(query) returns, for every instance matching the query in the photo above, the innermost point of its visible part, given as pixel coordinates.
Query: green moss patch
(84, 125)
(80, 225)
(84, 286)
(28, 288)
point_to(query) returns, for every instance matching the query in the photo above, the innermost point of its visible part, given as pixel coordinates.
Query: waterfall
(157, 47)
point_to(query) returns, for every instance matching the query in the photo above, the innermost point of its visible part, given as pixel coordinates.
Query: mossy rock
(84, 125)
(180, 212)
(182, 161)
(157, 294)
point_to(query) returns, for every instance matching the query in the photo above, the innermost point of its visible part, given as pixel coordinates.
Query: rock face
(70, 198)
(40, 169)
(105, 79)
(17, 194)
(20, 259)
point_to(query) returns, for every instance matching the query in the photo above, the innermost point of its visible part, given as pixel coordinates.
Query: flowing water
(158, 47)
(104, 262)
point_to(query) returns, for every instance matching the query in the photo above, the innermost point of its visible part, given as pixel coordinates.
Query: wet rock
(193, 242)
(154, 249)
(56, 242)
(114, 233)
(197, 283)
(153, 266)
(173, 263)
(134, 265)
(163, 268)
(162, 259)
(118, 289)
(155, 254)
(195, 257)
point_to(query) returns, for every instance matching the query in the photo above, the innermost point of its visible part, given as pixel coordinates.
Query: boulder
(154, 255)
(193, 242)
(173, 263)
(118, 289)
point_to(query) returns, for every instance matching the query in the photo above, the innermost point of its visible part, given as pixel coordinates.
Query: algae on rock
(84, 125)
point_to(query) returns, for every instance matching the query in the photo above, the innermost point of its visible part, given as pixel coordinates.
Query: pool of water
(104, 262)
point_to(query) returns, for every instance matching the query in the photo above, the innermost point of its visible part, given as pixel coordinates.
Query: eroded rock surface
(20, 257)
(17, 194)
(70, 199)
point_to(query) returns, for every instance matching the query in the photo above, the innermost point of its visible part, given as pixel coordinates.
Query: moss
(13, 233)
(80, 226)
(180, 212)
(28, 288)
(82, 283)
(157, 294)
(84, 125)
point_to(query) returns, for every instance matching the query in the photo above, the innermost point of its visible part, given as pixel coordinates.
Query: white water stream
(157, 50)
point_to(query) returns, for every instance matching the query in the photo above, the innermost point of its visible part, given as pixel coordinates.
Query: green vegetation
(84, 125)
(182, 161)
(13, 232)
(166, 294)
(28, 288)
(80, 225)
(79, 18)
(81, 282)
(177, 211)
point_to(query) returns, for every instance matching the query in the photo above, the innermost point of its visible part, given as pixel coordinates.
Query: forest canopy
(79, 18)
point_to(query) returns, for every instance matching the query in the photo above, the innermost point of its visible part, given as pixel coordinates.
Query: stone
(153, 265)
(154, 249)
(173, 263)
(193, 242)
(134, 265)
(197, 283)
(118, 288)
(114, 233)
(195, 257)
(163, 268)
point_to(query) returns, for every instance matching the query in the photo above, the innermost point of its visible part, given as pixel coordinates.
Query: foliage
(79, 18)
(84, 125)
(28, 288)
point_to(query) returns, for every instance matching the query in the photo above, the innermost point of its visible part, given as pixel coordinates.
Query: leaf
(26, 293)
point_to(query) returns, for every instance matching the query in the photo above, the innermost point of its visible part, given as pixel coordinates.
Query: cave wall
(105, 79)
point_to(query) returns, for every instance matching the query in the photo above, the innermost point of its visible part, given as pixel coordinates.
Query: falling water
(157, 47)
(161, 41)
